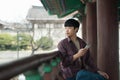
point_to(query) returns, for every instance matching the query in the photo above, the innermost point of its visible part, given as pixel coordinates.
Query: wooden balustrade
(36, 67)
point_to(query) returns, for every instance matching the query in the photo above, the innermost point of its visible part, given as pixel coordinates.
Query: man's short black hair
(71, 22)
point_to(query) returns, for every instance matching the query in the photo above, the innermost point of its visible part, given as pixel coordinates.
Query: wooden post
(108, 56)
(91, 29)
(84, 28)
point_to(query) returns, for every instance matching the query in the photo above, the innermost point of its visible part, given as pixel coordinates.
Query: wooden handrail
(14, 68)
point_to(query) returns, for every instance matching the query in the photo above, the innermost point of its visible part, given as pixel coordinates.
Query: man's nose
(66, 30)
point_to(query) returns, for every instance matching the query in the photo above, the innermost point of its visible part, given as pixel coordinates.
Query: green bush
(10, 42)
(6, 41)
(45, 42)
(2, 47)
(23, 40)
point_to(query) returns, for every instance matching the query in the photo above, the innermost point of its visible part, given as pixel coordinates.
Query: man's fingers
(106, 76)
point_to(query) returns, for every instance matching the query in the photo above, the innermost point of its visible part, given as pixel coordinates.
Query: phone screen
(87, 46)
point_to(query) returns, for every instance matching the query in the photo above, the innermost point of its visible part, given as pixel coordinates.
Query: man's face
(70, 31)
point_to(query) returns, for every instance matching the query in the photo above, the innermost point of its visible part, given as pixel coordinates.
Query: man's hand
(82, 52)
(105, 75)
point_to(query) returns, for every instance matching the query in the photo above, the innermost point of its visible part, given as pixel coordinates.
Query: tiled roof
(39, 13)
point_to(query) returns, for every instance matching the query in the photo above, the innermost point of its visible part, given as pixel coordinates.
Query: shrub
(45, 43)
(23, 40)
(6, 41)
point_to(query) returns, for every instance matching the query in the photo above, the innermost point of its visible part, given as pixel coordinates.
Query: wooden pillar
(84, 28)
(108, 58)
(92, 29)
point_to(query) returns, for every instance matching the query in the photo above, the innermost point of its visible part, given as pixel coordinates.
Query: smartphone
(87, 46)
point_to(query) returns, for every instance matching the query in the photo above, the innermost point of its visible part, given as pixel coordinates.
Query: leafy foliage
(22, 41)
(45, 42)
(6, 41)
(10, 42)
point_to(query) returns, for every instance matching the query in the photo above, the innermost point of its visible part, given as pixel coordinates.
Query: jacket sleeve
(65, 58)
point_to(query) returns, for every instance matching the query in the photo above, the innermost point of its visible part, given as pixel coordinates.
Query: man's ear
(76, 29)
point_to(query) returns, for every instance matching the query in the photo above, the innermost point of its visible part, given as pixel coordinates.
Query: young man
(76, 63)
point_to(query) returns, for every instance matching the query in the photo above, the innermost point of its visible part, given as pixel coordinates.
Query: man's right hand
(80, 53)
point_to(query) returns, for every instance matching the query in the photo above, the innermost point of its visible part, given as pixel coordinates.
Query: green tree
(6, 41)
(23, 40)
(45, 42)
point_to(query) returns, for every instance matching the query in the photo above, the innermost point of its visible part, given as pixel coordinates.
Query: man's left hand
(105, 75)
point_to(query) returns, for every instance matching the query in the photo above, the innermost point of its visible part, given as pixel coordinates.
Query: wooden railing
(36, 67)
